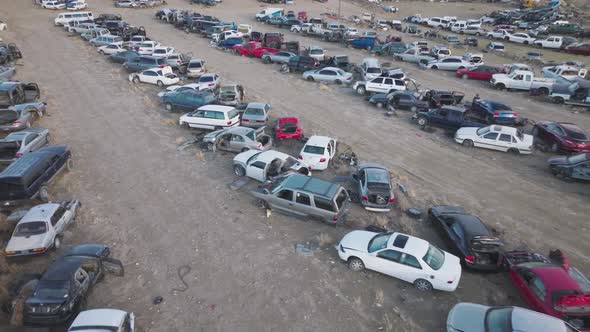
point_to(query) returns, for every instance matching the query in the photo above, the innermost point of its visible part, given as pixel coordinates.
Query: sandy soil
(161, 208)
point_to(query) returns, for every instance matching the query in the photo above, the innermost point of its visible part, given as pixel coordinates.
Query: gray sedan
(255, 115)
(7, 72)
(22, 142)
(238, 139)
(374, 186)
(279, 57)
(20, 116)
(329, 75)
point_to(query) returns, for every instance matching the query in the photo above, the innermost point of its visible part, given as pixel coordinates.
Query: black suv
(302, 63)
(62, 290)
(144, 62)
(27, 177)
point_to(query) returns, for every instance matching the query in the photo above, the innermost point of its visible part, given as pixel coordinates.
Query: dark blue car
(187, 99)
(123, 57)
(495, 112)
(230, 42)
(362, 42)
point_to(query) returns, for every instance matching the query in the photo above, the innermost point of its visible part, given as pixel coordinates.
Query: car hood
(558, 160)
(467, 317)
(210, 137)
(244, 156)
(528, 320)
(357, 240)
(451, 268)
(499, 76)
(26, 243)
(467, 131)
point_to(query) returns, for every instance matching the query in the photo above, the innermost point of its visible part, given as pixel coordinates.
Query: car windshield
(253, 158)
(147, 45)
(254, 111)
(379, 242)
(483, 131)
(501, 107)
(227, 88)
(316, 51)
(498, 320)
(314, 149)
(52, 289)
(520, 135)
(374, 70)
(194, 65)
(206, 79)
(251, 135)
(160, 51)
(434, 257)
(30, 228)
(578, 158)
(447, 52)
(377, 178)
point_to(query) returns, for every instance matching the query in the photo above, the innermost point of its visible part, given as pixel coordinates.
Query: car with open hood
(401, 256)
(551, 286)
(467, 237)
(561, 136)
(265, 165)
(571, 167)
(238, 139)
(374, 187)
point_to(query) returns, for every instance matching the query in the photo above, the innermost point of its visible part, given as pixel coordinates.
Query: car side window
(456, 228)
(411, 261)
(286, 194)
(505, 138)
(390, 255)
(324, 204)
(538, 288)
(150, 73)
(237, 138)
(388, 81)
(259, 164)
(57, 215)
(378, 80)
(491, 136)
(30, 138)
(443, 112)
(302, 199)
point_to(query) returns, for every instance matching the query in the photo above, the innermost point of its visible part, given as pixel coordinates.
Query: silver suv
(306, 196)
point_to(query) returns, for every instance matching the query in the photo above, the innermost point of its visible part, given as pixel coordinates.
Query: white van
(370, 69)
(64, 18)
(458, 26)
(211, 117)
(268, 13)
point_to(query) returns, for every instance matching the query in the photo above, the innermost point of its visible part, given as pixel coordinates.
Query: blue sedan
(230, 42)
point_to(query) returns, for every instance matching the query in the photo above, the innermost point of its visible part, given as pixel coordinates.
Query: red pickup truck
(253, 49)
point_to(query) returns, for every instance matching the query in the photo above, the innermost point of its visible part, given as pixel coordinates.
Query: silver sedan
(279, 57)
(22, 142)
(238, 139)
(329, 75)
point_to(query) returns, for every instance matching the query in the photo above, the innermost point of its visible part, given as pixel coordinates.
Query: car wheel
(554, 147)
(434, 67)
(379, 104)
(422, 122)
(361, 90)
(338, 82)
(563, 175)
(44, 194)
(526, 42)
(500, 86)
(513, 151)
(56, 243)
(535, 131)
(136, 79)
(266, 60)
(465, 76)
(423, 285)
(558, 100)
(543, 91)
(101, 52)
(168, 107)
(160, 83)
(468, 143)
(239, 170)
(356, 264)
(310, 78)
(69, 164)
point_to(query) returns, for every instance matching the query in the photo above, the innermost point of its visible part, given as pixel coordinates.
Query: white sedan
(521, 38)
(162, 51)
(318, 151)
(41, 228)
(76, 5)
(159, 76)
(263, 165)
(147, 47)
(53, 5)
(328, 75)
(453, 63)
(111, 320)
(111, 49)
(496, 137)
(401, 256)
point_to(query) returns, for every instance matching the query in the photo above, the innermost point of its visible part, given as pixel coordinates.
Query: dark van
(27, 177)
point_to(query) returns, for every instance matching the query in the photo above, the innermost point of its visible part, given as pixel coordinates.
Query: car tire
(422, 122)
(558, 100)
(43, 194)
(379, 105)
(356, 264)
(465, 77)
(543, 91)
(434, 67)
(563, 175)
(526, 42)
(339, 82)
(554, 147)
(169, 107)
(423, 285)
(513, 151)
(266, 60)
(69, 164)
(136, 79)
(160, 83)
(361, 90)
(101, 52)
(468, 143)
(310, 78)
(500, 86)
(239, 170)
(56, 243)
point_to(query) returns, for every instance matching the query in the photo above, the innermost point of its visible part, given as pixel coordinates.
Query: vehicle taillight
(210, 84)
(245, 120)
(161, 66)
(260, 121)
(496, 114)
(16, 123)
(18, 155)
(515, 114)
(301, 157)
(335, 217)
(229, 123)
(322, 160)
(450, 282)
(364, 198)
(470, 259)
(392, 200)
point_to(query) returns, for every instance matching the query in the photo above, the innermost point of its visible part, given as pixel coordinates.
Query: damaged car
(41, 228)
(374, 187)
(467, 237)
(19, 143)
(62, 291)
(21, 116)
(230, 94)
(288, 128)
(255, 115)
(265, 165)
(574, 167)
(14, 93)
(238, 139)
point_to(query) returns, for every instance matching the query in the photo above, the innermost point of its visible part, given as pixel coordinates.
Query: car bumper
(376, 207)
(11, 128)
(575, 148)
(22, 253)
(448, 287)
(46, 320)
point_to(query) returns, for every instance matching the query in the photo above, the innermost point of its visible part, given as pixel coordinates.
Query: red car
(253, 49)
(581, 48)
(483, 73)
(562, 136)
(288, 128)
(551, 286)
(302, 16)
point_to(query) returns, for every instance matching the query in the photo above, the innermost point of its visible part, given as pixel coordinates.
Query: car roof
(555, 278)
(239, 130)
(471, 225)
(218, 108)
(413, 245)
(529, 320)
(311, 184)
(61, 270)
(41, 212)
(571, 128)
(455, 108)
(99, 317)
(504, 129)
(318, 140)
(270, 155)
(256, 105)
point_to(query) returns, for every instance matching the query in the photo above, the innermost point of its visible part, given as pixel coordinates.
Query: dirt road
(161, 208)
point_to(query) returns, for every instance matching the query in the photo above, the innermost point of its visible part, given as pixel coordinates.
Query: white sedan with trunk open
(401, 256)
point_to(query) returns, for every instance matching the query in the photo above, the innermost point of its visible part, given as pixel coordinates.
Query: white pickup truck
(549, 42)
(522, 80)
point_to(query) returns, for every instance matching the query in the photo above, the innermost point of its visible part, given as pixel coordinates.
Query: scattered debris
(182, 272)
(305, 249)
(239, 183)
(402, 188)
(157, 300)
(414, 213)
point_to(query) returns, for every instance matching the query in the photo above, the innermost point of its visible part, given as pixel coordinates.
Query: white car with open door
(41, 228)
(147, 47)
(162, 51)
(264, 165)
(401, 256)
(159, 76)
(501, 138)
(111, 320)
(318, 151)
(111, 49)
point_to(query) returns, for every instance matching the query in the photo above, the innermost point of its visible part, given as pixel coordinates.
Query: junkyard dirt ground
(161, 208)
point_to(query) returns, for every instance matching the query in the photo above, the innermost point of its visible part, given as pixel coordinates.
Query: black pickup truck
(446, 117)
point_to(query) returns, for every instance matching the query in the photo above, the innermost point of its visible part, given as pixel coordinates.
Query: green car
(571, 167)
(570, 29)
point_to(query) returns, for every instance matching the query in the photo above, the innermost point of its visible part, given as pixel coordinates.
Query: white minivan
(64, 18)
(458, 26)
(211, 117)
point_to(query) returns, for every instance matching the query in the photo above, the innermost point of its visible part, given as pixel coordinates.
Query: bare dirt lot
(161, 208)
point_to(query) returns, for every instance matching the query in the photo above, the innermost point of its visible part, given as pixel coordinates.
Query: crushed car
(374, 187)
(238, 139)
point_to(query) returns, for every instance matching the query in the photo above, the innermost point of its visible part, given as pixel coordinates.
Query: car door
(32, 142)
(505, 142)
(237, 143)
(303, 204)
(384, 261)
(387, 85)
(331, 150)
(283, 200)
(439, 117)
(518, 82)
(58, 220)
(456, 236)
(149, 76)
(257, 171)
(550, 133)
(375, 85)
(487, 141)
